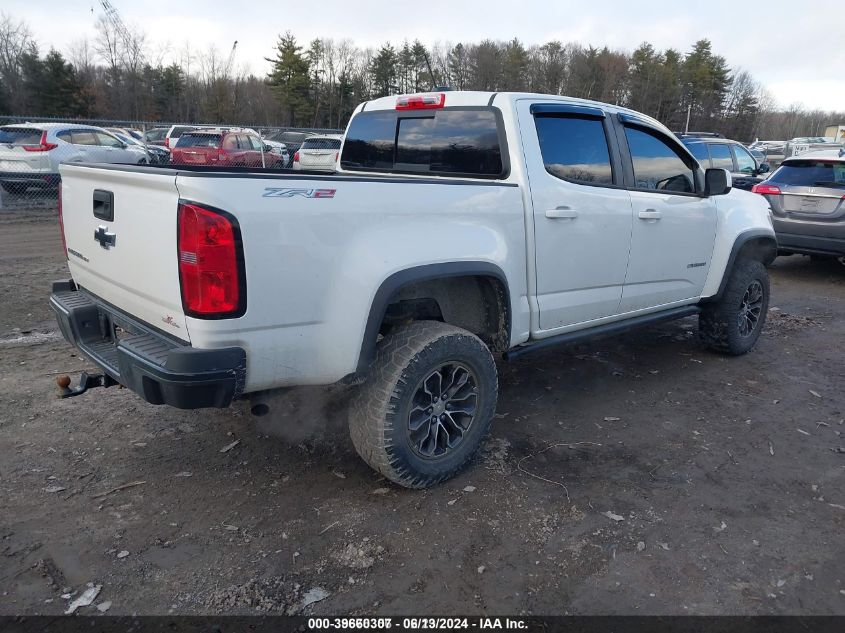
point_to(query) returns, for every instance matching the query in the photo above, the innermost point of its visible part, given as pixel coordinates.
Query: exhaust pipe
(259, 405)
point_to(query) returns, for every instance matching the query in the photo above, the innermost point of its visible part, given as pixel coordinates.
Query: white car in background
(318, 152)
(30, 153)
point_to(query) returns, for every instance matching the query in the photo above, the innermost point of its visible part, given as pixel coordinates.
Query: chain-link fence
(32, 148)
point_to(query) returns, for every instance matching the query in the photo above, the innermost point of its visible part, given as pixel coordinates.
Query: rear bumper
(31, 178)
(156, 367)
(811, 244)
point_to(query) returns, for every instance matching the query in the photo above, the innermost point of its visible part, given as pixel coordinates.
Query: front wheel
(733, 324)
(426, 404)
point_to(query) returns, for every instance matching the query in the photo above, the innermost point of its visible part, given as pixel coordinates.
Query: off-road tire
(378, 412)
(718, 323)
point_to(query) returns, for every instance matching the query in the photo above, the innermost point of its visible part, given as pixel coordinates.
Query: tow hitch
(86, 381)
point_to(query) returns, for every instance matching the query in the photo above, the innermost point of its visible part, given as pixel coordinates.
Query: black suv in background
(292, 140)
(723, 153)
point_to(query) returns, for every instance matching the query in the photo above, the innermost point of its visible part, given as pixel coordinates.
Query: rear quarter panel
(313, 265)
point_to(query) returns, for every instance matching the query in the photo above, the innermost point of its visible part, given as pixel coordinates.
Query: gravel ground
(641, 475)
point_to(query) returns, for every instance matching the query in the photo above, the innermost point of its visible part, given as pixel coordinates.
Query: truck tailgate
(125, 254)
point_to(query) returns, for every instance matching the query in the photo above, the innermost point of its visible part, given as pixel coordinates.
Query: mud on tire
(733, 324)
(399, 421)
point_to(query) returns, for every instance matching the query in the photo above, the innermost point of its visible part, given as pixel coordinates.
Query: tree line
(120, 75)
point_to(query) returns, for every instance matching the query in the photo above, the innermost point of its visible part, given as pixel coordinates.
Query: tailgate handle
(104, 205)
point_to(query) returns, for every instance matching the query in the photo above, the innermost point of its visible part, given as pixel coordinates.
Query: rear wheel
(733, 324)
(426, 404)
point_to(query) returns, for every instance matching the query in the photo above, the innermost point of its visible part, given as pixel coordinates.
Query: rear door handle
(563, 213)
(649, 214)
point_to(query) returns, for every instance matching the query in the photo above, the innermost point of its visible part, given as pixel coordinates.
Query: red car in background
(223, 148)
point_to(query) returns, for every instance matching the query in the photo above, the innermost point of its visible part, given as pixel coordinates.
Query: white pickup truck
(457, 226)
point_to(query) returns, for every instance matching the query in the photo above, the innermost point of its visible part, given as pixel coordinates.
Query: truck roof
(485, 98)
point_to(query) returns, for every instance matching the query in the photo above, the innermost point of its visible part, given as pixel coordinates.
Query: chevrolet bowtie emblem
(105, 238)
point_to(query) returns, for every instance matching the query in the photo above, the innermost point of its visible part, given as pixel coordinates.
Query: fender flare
(428, 272)
(741, 240)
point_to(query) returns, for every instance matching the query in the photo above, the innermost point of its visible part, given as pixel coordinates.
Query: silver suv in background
(30, 153)
(807, 198)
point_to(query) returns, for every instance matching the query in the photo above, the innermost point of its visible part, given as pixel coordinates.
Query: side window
(256, 144)
(243, 142)
(65, 135)
(744, 161)
(699, 150)
(575, 148)
(656, 164)
(230, 142)
(108, 140)
(721, 155)
(83, 137)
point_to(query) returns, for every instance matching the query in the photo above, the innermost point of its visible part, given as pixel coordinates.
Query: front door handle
(562, 213)
(649, 214)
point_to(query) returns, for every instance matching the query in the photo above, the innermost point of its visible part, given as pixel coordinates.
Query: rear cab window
(20, 136)
(196, 139)
(810, 173)
(458, 141)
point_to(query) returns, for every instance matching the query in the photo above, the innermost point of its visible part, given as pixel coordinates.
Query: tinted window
(288, 137)
(370, 141)
(180, 130)
(810, 173)
(321, 143)
(19, 136)
(449, 141)
(720, 156)
(108, 140)
(699, 150)
(744, 161)
(575, 148)
(199, 140)
(656, 164)
(83, 137)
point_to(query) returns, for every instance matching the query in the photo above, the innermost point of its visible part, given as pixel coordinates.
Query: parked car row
(721, 153)
(30, 153)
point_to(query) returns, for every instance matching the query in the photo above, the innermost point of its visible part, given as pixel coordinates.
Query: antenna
(430, 73)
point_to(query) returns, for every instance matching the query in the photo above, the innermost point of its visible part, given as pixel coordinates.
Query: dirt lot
(693, 483)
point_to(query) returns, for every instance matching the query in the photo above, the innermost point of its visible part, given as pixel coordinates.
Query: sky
(795, 49)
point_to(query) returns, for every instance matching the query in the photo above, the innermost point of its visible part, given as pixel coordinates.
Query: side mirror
(717, 182)
(764, 168)
(267, 148)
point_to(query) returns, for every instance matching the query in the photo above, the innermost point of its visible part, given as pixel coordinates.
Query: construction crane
(114, 17)
(231, 60)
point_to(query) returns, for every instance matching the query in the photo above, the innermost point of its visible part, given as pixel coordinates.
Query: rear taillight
(766, 190)
(429, 101)
(211, 265)
(62, 222)
(336, 154)
(43, 146)
(296, 157)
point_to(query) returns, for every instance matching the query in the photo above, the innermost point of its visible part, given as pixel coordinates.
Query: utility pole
(689, 110)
